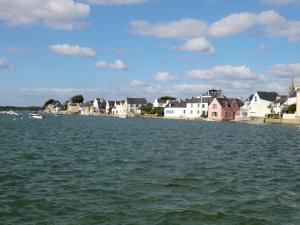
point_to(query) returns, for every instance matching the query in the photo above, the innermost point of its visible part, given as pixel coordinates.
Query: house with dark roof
(192, 108)
(99, 105)
(259, 104)
(223, 108)
(128, 107)
(176, 109)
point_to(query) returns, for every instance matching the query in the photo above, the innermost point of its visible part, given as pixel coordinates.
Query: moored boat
(36, 116)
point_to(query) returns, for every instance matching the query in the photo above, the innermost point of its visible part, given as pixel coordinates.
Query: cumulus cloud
(270, 22)
(72, 50)
(116, 2)
(285, 70)
(165, 77)
(222, 73)
(57, 14)
(200, 45)
(4, 64)
(183, 29)
(116, 65)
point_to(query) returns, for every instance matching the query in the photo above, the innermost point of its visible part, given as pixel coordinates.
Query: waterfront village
(261, 106)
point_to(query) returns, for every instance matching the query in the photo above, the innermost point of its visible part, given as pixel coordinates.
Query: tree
(292, 108)
(50, 101)
(77, 99)
(164, 98)
(148, 108)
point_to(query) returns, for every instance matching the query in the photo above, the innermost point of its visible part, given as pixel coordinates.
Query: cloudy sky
(145, 48)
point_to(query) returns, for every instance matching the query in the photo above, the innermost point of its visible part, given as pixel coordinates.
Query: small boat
(13, 113)
(36, 116)
(122, 116)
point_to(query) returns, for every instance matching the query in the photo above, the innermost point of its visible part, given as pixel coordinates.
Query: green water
(94, 170)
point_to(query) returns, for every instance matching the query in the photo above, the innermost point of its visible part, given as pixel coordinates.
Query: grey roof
(293, 95)
(207, 100)
(224, 102)
(239, 101)
(281, 100)
(268, 96)
(193, 100)
(111, 103)
(140, 101)
(250, 98)
(177, 104)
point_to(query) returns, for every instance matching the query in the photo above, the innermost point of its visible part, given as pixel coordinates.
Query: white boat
(36, 116)
(122, 116)
(13, 113)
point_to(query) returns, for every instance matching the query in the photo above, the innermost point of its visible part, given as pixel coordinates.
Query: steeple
(292, 86)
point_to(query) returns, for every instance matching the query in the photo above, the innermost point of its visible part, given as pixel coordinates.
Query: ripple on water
(98, 170)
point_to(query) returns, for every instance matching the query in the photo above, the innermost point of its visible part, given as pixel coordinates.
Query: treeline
(18, 108)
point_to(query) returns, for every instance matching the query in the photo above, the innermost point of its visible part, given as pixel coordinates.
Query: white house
(109, 106)
(158, 103)
(129, 106)
(259, 104)
(195, 107)
(280, 105)
(99, 105)
(176, 109)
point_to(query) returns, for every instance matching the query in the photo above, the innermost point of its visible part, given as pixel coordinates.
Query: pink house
(223, 108)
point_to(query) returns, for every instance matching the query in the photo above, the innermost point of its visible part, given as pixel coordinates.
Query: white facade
(196, 109)
(130, 106)
(175, 112)
(189, 109)
(160, 104)
(259, 107)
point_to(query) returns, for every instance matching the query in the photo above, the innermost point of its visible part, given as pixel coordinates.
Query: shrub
(292, 108)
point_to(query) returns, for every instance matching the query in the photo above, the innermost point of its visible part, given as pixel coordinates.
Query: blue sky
(145, 48)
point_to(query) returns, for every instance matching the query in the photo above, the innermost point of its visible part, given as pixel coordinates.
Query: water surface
(101, 170)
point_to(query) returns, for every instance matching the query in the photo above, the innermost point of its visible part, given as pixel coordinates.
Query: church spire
(292, 86)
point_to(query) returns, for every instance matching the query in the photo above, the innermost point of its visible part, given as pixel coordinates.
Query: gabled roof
(193, 100)
(268, 96)
(224, 102)
(239, 101)
(177, 104)
(293, 95)
(140, 101)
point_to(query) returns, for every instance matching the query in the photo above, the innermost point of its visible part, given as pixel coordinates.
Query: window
(191, 112)
(183, 111)
(192, 105)
(198, 105)
(255, 99)
(214, 114)
(198, 112)
(203, 105)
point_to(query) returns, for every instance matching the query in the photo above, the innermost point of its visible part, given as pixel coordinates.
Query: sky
(145, 48)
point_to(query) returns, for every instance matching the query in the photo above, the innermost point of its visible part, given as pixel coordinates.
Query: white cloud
(116, 65)
(57, 14)
(4, 64)
(279, 2)
(222, 73)
(183, 29)
(136, 83)
(116, 2)
(270, 22)
(165, 77)
(200, 45)
(285, 70)
(72, 50)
